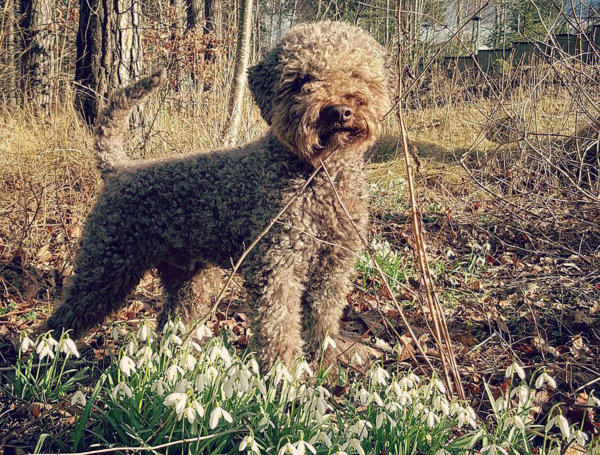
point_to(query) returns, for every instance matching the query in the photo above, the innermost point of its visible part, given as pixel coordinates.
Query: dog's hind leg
(104, 276)
(188, 293)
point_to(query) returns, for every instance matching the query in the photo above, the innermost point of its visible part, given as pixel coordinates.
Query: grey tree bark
(240, 69)
(36, 71)
(8, 56)
(213, 17)
(109, 52)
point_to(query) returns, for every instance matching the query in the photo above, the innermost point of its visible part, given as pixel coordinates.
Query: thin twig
(379, 271)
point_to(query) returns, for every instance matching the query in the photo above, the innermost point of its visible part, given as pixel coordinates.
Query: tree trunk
(109, 52)
(8, 56)
(213, 18)
(239, 74)
(36, 18)
(192, 11)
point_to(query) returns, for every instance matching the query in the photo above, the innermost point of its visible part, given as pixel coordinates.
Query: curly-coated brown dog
(323, 90)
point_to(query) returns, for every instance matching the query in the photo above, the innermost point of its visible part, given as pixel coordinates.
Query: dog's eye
(301, 82)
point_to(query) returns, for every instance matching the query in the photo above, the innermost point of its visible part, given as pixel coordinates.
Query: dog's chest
(332, 214)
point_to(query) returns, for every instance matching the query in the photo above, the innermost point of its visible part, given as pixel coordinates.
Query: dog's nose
(340, 113)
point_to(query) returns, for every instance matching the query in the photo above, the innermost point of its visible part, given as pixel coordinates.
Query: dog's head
(325, 86)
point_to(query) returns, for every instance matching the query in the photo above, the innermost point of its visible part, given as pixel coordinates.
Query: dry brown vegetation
(509, 189)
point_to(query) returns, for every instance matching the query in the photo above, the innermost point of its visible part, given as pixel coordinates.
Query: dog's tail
(114, 120)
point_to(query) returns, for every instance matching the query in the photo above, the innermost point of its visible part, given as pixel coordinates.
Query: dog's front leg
(274, 295)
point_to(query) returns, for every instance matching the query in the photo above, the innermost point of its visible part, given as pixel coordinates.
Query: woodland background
(507, 168)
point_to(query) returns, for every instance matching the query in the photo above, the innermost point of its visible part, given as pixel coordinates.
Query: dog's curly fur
(323, 90)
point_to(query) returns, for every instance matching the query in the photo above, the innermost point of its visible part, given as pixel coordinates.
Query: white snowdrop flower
(254, 367)
(430, 417)
(329, 343)
(543, 378)
(26, 343)
(78, 398)
(44, 349)
(405, 398)
(258, 383)
(363, 397)
(265, 423)
(360, 428)
(438, 384)
(201, 382)
(381, 417)
(130, 349)
(168, 327)
(189, 413)
(417, 408)
(455, 408)
(244, 377)
(145, 357)
(377, 399)
(499, 404)
(442, 451)
(173, 372)
(158, 387)
(514, 421)
(580, 437)
(127, 365)
(322, 391)
(121, 390)
(291, 393)
(556, 450)
(219, 352)
(394, 387)
(228, 388)
(493, 449)
(116, 332)
(198, 408)
(178, 400)
(188, 361)
(68, 347)
(393, 406)
(467, 415)
(143, 333)
(321, 436)
(194, 345)
(288, 448)
(216, 415)
(249, 444)
(592, 400)
(301, 447)
(174, 339)
(356, 358)
(182, 386)
(515, 368)
(441, 404)
(379, 376)
(321, 405)
(355, 444)
(180, 327)
(414, 378)
(522, 392)
(340, 452)
(281, 372)
(203, 332)
(302, 368)
(562, 423)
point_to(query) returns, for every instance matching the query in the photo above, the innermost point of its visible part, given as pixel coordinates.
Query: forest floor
(516, 281)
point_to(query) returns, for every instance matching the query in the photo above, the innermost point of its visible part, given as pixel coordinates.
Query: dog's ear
(262, 79)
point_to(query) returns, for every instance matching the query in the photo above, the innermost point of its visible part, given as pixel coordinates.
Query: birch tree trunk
(36, 71)
(240, 69)
(109, 52)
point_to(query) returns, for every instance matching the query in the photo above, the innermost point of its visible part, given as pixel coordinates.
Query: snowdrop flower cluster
(190, 384)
